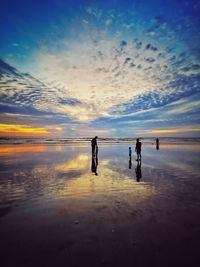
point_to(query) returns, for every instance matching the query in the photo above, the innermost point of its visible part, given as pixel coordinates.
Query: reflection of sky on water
(51, 203)
(14, 150)
(31, 174)
(177, 159)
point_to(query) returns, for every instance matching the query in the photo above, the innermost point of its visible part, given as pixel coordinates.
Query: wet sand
(54, 211)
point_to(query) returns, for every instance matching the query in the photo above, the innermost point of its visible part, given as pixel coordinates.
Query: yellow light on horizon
(21, 130)
(168, 131)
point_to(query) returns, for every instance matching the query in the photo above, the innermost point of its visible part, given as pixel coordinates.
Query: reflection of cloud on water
(49, 181)
(73, 178)
(81, 162)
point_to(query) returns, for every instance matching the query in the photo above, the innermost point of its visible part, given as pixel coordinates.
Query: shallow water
(54, 210)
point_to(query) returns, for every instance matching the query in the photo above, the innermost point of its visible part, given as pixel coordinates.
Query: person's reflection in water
(138, 171)
(94, 163)
(130, 157)
(130, 162)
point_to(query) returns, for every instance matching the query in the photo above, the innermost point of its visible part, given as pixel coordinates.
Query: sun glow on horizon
(22, 130)
(169, 131)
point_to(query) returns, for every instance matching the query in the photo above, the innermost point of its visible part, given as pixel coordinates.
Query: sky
(108, 68)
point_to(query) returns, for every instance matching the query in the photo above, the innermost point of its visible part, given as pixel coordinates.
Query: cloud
(119, 66)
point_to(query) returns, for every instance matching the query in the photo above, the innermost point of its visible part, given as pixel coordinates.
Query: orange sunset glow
(16, 130)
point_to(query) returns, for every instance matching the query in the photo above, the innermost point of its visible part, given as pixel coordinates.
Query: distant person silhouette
(138, 147)
(138, 171)
(94, 145)
(94, 164)
(157, 143)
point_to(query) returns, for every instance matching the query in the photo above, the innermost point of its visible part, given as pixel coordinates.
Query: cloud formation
(111, 68)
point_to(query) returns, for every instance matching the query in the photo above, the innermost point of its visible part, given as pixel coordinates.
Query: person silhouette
(138, 171)
(157, 143)
(94, 145)
(94, 164)
(138, 147)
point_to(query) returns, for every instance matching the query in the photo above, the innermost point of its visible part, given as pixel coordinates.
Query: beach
(59, 206)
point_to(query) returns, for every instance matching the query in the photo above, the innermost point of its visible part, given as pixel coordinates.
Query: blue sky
(112, 68)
